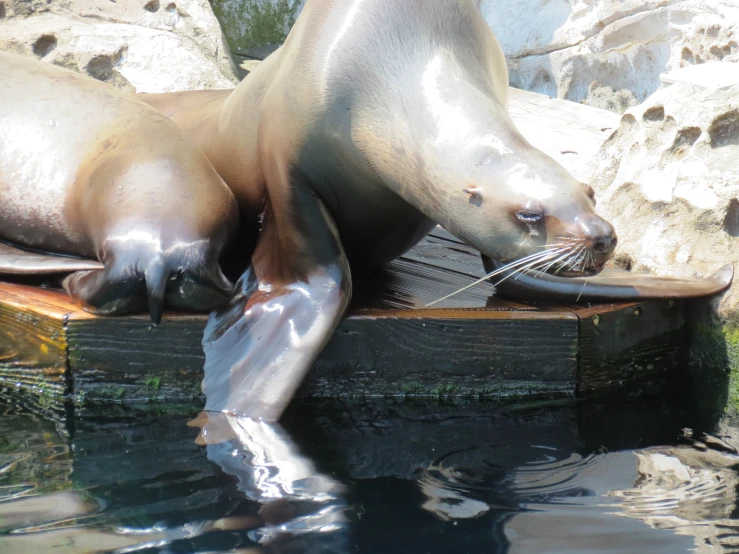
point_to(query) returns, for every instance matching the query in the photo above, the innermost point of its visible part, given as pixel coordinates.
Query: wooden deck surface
(472, 345)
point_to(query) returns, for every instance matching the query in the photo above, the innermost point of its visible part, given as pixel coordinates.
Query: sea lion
(371, 124)
(92, 172)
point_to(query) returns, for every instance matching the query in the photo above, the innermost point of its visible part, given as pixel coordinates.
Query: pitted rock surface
(668, 179)
(136, 45)
(606, 54)
(609, 54)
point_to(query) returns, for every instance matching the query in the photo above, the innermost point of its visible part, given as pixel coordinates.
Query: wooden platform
(472, 345)
(389, 345)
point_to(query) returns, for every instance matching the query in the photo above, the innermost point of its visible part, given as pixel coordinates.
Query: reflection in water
(295, 498)
(389, 477)
(461, 485)
(689, 489)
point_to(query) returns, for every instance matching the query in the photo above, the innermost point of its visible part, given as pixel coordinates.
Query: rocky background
(605, 53)
(136, 45)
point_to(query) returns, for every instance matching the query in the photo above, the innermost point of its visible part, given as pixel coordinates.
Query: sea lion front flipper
(611, 284)
(288, 303)
(15, 261)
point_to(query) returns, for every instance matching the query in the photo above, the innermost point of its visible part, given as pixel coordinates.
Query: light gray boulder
(609, 54)
(137, 45)
(668, 179)
(606, 54)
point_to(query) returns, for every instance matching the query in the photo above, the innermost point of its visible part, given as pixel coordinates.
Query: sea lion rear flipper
(288, 303)
(14, 261)
(611, 284)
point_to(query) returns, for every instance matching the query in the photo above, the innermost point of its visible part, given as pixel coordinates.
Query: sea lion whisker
(522, 261)
(555, 245)
(540, 263)
(523, 270)
(564, 250)
(572, 261)
(561, 262)
(518, 270)
(566, 256)
(579, 261)
(542, 266)
(571, 239)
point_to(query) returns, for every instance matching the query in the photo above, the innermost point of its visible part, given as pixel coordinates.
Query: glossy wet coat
(387, 114)
(87, 170)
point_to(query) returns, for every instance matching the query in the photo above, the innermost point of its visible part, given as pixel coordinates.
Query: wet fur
(87, 170)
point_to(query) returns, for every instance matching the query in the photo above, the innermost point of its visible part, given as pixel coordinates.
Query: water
(375, 477)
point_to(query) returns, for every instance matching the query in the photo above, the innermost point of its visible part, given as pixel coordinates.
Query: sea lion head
(445, 143)
(522, 203)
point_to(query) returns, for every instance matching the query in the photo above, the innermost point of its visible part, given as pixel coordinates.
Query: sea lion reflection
(296, 498)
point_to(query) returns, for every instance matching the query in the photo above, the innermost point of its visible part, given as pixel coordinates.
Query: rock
(668, 180)
(564, 48)
(606, 98)
(255, 28)
(136, 45)
(606, 54)
(712, 75)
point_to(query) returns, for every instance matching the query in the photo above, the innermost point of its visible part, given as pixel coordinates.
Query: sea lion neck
(195, 112)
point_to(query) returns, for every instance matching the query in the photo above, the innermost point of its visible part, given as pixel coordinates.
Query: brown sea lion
(89, 171)
(374, 122)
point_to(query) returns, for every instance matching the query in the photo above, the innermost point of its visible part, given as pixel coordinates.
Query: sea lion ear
(475, 193)
(590, 192)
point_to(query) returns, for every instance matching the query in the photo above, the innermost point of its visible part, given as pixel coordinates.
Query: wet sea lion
(372, 123)
(89, 171)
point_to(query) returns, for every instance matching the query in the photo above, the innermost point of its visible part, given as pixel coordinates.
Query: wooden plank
(474, 345)
(630, 351)
(129, 359)
(481, 354)
(461, 352)
(33, 346)
(625, 345)
(569, 132)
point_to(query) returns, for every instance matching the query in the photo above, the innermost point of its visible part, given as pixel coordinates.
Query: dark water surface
(375, 477)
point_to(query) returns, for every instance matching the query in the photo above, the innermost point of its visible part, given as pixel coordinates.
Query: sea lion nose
(604, 245)
(604, 239)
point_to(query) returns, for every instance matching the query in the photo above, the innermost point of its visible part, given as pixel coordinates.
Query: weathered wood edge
(504, 359)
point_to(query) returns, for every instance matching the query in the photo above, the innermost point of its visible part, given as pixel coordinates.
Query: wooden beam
(33, 342)
(627, 344)
(474, 344)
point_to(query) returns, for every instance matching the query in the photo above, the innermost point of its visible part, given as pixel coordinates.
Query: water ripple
(688, 490)
(507, 477)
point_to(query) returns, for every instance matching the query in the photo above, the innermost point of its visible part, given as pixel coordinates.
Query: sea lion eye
(529, 217)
